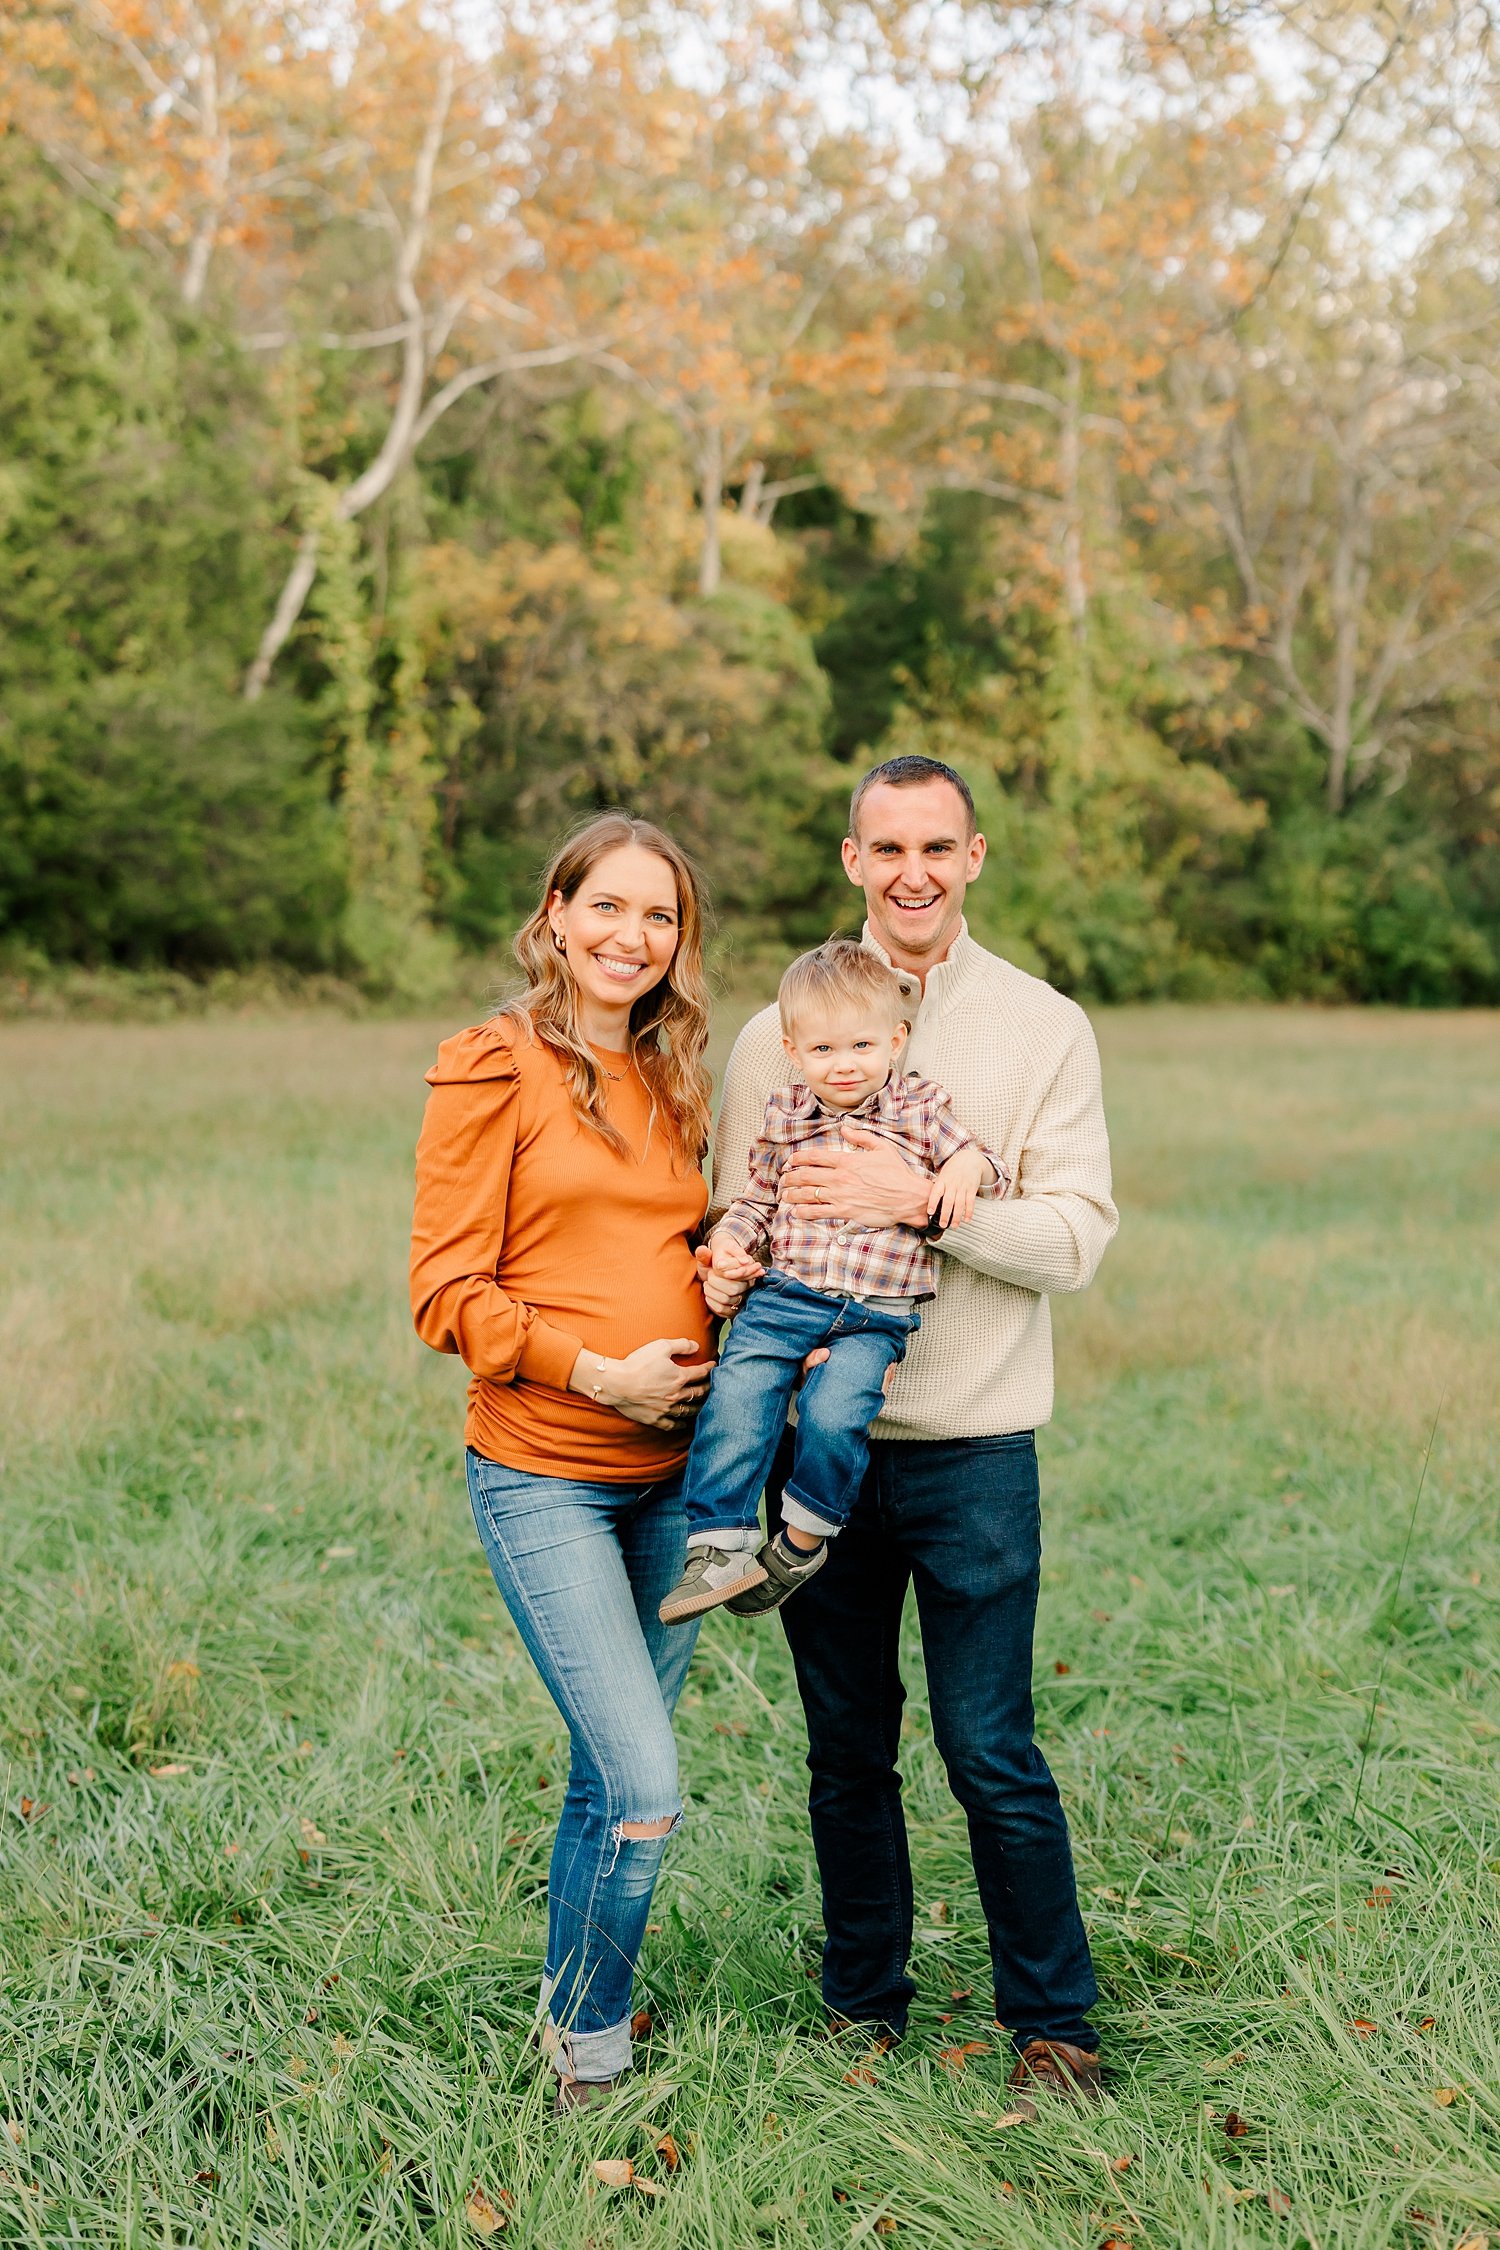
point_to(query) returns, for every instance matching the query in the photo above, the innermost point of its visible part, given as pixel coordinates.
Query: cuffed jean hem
(801, 1517)
(590, 2055)
(729, 1538)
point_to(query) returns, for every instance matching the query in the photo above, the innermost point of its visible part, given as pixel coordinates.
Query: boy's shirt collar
(799, 1105)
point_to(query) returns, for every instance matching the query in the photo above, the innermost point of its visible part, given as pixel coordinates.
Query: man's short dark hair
(910, 773)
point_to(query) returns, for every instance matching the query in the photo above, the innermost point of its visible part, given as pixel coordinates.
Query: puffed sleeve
(464, 1158)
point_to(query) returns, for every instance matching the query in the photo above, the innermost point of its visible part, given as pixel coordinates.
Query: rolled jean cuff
(803, 1519)
(730, 1539)
(590, 2055)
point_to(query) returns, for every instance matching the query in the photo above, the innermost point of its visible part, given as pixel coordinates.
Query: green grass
(276, 1991)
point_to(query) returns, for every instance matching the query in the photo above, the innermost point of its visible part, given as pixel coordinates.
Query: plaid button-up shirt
(835, 1255)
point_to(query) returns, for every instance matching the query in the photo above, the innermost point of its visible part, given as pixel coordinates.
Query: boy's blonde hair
(842, 973)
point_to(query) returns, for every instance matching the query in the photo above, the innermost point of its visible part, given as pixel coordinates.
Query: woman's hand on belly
(648, 1386)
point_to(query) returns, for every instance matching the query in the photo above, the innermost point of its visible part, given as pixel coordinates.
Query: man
(950, 1501)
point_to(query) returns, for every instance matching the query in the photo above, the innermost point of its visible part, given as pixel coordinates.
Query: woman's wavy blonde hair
(668, 1024)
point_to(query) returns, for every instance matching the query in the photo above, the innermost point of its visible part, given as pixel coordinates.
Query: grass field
(277, 1783)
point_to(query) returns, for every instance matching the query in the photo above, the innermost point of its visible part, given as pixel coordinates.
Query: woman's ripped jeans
(582, 1568)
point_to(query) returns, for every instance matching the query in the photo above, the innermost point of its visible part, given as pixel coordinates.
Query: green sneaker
(712, 1575)
(783, 1569)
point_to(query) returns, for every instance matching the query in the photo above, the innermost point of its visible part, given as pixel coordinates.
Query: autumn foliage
(589, 406)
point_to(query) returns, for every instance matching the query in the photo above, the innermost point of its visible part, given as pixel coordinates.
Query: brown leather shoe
(1051, 2064)
(581, 2093)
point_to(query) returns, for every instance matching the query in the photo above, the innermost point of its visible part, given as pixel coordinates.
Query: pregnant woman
(559, 1190)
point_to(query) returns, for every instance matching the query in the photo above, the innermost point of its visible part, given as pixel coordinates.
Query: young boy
(852, 1290)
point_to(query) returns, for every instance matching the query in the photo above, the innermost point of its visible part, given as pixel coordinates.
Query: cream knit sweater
(1022, 1067)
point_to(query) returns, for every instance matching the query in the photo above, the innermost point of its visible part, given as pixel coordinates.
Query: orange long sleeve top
(532, 1240)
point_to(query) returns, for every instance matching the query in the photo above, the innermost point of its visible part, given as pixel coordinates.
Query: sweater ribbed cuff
(548, 1355)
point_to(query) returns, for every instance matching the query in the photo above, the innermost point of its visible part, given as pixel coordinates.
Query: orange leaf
(1362, 2027)
(614, 2171)
(481, 2213)
(1445, 2096)
(1381, 1895)
(859, 2078)
(957, 2058)
(640, 2023)
(667, 2150)
(1235, 2126)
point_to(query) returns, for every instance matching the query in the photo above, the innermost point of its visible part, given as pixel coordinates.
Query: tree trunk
(1346, 591)
(1070, 477)
(400, 435)
(285, 615)
(710, 495)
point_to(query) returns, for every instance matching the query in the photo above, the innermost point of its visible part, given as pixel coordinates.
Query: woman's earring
(559, 941)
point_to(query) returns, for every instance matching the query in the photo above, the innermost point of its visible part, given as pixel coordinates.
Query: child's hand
(956, 1185)
(726, 1270)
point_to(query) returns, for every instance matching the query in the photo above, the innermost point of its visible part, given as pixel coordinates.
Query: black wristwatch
(934, 1229)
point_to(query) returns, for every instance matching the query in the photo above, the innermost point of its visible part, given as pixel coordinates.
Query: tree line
(417, 432)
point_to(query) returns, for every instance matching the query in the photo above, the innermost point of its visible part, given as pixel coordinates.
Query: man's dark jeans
(961, 1520)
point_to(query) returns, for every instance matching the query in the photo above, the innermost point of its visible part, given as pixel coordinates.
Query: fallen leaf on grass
(1472, 2242)
(183, 1670)
(311, 1832)
(1381, 1895)
(957, 2058)
(1445, 2096)
(1062, 1670)
(1361, 2026)
(859, 2077)
(885, 2224)
(1428, 2023)
(966, 1994)
(208, 2177)
(1281, 2204)
(667, 2150)
(938, 1911)
(1235, 2126)
(1021, 2116)
(15, 2131)
(161, 1773)
(1116, 2242)
(273, 2142)
(640, 2023)
(481, 2213)
(614, 2171)
(77, 1780)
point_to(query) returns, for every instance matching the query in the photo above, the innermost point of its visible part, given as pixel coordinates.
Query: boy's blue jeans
(738, 1431)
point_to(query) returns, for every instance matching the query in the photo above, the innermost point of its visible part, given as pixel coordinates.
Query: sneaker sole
(693, 1605)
